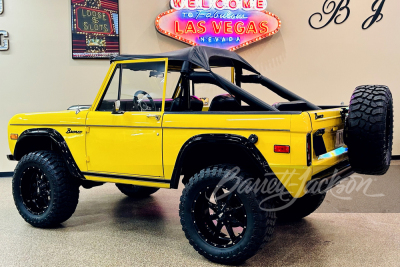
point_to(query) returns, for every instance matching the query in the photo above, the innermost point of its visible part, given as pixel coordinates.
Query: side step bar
(326, 180)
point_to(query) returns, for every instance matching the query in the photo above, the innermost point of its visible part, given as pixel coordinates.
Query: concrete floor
(109, 229)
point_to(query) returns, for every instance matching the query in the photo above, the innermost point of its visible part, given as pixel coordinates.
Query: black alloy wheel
(44, 192)
(35, 190)
(221, 223)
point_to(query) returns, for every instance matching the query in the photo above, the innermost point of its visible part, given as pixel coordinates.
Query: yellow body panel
(134, 144)
(331, 122)
(129, 143)
(271, 130)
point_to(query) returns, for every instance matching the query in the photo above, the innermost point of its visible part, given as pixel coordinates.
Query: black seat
(196, 104)
(225, 103)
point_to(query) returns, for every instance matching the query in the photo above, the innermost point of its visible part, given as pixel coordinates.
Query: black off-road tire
(369, 129)
(63, 193)
(300, 208)
(135, 191)
(260, 223)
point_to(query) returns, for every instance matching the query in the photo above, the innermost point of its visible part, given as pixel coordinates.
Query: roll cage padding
(236, 140)
(213, 78)
(276, 88)
(203, 77)
(40, 137)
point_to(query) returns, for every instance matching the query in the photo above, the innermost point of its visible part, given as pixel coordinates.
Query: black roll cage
(189, 74)
(206, 58)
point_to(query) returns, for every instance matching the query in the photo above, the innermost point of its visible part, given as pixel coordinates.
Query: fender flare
(57, 140)
(238, 140)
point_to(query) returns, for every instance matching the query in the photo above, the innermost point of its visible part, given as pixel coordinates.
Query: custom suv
(243, 162)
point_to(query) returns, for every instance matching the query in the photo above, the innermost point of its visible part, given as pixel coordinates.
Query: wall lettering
(377, 16)
(337, 12)
(3, 34)
(3, 41)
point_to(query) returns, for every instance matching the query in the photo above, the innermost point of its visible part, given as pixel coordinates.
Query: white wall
(324, 66)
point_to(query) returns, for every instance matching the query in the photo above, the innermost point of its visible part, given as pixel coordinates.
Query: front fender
(46, 138)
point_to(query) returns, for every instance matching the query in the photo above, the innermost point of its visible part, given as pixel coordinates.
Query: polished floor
(356, 228)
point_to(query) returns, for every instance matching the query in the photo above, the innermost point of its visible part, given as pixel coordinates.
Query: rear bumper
(329, 178)
(11, 157)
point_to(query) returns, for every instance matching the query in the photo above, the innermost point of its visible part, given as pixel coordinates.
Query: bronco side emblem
(318, 116)
(69, 131)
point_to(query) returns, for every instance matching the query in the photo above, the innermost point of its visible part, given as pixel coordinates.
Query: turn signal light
(281, 149)
(14, 136)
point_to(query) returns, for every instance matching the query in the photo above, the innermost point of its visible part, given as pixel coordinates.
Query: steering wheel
(140, 105)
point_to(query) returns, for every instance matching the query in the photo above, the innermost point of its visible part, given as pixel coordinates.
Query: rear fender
(239, 141)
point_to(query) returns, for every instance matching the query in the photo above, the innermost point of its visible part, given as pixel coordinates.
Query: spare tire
(369, 129)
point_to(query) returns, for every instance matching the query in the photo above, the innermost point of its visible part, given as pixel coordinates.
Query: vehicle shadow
(156, 219)
(292, 243)
(142, 215)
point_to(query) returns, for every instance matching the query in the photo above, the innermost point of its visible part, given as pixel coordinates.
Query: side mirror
(117, 107)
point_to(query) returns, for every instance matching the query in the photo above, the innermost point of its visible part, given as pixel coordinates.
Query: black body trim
(329, 178)
(238, 140)
(6, 174)
(124, 177)
(318, 142)
(234, 112)
(57, 140)
(11, 158)
(308, 150)
(331, 106)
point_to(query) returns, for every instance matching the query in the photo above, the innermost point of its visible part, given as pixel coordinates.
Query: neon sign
(93, 21)
(226, 24)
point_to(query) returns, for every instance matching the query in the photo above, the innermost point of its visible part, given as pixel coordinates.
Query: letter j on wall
(1, 7)
(226, 24)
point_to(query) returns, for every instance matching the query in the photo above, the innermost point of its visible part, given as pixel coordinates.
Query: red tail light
(309, 150)
(281, 149)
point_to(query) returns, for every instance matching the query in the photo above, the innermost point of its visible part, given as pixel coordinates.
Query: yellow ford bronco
(243, 162)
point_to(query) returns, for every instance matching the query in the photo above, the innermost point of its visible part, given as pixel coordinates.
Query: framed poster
(95, 32)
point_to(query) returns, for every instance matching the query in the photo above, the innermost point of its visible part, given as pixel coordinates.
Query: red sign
(226, 24)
